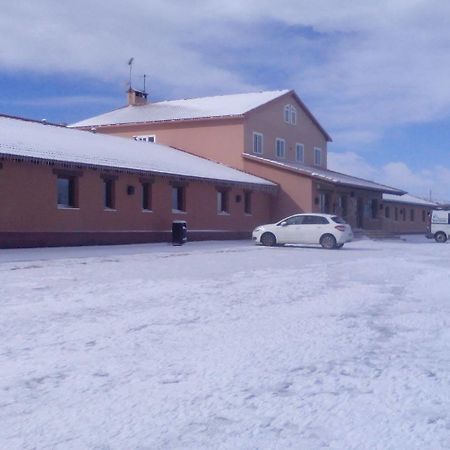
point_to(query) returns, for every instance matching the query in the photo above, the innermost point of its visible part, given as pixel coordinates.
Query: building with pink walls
(69, 187)
(270, 134)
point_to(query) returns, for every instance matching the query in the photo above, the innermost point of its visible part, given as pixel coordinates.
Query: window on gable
(290, 114)
(287, 113)
(280, 148)
(67, 195)
(317, 156)
(257, 143)
(300, 153)
(293, 116)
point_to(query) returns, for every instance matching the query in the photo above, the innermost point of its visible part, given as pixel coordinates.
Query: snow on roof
(407, 198)
(29, 139)
(193, 108)
(328, 175)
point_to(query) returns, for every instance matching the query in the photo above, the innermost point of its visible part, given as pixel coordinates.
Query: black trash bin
(179, 232)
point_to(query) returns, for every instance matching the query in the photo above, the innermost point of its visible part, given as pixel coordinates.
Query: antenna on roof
(130, 63)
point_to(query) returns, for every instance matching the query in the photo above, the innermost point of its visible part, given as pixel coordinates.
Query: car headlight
(257, 229)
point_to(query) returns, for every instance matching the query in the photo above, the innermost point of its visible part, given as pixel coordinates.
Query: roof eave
(67, 163)
(385, 189)
(147, 122)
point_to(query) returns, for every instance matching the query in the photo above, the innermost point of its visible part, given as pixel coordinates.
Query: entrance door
(360, 213)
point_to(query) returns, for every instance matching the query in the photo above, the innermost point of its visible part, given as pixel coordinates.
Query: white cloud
(434, 179)
(364, 67)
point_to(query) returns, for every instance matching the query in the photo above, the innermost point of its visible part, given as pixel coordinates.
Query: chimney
(136, 98)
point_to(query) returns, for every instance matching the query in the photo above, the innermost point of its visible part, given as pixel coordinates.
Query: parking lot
(226, 345)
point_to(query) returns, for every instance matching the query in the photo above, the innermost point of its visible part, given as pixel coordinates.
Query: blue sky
(375, 74)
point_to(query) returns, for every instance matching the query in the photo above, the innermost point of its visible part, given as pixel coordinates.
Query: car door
(313, 228)
(289, 232)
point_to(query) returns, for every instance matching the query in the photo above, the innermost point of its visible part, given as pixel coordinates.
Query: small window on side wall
(178, 198)
(299, 153)
(317, 156)
(258, 143)
(247, 202)
(67, 192)
(222, 202)
(146, 195)
(109, 193)
(280, 148)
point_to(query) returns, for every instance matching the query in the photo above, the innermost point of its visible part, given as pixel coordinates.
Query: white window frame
(298, 145)
(258, 137)
(145, 138)
(223, 198)
(317, 156)
(293, 115)
(280, 144)
(287, 113)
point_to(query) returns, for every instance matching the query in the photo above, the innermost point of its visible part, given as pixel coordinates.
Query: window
(146, 196)
(338, 220)
(374, 208)
(317, 156)
(247, 202)
(67, 192)
(178, 199)
(145, 138)
(424, 215)
(314, 220)
(411, 215)
(396, 213)
(258, 143)
(287, 113)
(387, 212)
(403, 213)
(108, 193)
(294, 220)
(324, 202)
(293, 116)
(290, 114)
(280, 148)
(300, 153)
(222, 202)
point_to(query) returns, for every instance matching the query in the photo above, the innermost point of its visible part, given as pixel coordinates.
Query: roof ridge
(221, 95)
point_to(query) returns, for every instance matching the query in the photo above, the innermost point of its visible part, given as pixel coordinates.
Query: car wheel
(328, 241)
(268, 239)
(440, 237)
(339, 246)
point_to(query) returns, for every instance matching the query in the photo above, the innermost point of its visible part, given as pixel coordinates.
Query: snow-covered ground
(226, 345)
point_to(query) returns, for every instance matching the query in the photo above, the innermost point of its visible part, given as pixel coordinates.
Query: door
(313, 227)
(291, 232)
(360, 213)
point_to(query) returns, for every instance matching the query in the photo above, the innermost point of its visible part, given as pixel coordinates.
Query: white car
(328, 230)
(439, 225)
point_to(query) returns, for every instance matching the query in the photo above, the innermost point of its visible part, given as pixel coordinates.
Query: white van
(439, 225)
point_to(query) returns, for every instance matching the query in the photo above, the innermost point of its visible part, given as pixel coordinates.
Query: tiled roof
(38, 141)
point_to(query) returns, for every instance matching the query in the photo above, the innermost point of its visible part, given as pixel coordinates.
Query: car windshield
(338, 219)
